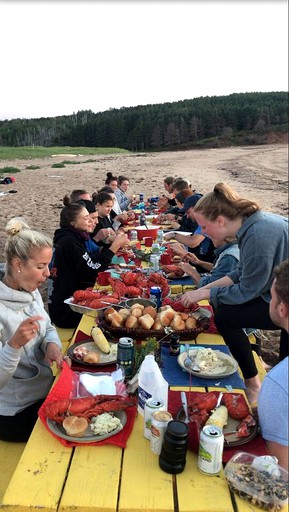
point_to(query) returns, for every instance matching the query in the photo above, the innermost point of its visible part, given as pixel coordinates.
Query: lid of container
(177, 428)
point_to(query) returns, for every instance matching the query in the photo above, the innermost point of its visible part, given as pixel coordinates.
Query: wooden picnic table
(52, 478)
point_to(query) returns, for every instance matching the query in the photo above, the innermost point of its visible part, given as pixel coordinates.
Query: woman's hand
(190, 256)
(121, 240)
(194, 296)
(178, 249)
(102, 234)
(26, 331)
(53, 354)
(121, 217)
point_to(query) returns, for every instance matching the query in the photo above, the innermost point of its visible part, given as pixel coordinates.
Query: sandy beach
(256, 172)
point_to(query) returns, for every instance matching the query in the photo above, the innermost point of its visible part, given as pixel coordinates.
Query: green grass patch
(89, 161)
(32, 167)
(25, 152)
(58, 166)
(9, 170)
(69, 162)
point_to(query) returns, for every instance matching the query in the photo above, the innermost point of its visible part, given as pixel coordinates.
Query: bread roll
(150, 310)
(136, 312)
(184, 316)
(191, 323)
(157, 325)
(124, 312)
(146, 321)
(177, 322)
(131, 322)
(75, 426)
(116, 319)
(91, 357)
(166, 317)
(109, 311)
(140, 306)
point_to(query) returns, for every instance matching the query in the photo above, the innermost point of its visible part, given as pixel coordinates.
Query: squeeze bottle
(151, 383)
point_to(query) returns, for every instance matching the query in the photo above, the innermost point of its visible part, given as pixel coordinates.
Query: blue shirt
(273, 404)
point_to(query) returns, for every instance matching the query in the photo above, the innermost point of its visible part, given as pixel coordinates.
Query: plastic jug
(151, 383)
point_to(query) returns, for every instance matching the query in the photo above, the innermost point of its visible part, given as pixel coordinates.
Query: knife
(185, 406)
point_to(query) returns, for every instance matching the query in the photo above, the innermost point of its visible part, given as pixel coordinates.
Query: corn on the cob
(219, 417)
(100, 340)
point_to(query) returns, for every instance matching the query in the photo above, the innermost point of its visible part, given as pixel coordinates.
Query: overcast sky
(59, 57)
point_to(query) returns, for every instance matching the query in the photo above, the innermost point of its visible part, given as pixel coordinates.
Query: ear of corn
(219, 417)
(100, 340)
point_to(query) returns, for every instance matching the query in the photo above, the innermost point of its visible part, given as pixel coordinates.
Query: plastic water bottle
(151, 383)
(160, 236)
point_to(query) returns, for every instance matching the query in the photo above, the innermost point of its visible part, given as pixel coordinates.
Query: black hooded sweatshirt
(71, 269)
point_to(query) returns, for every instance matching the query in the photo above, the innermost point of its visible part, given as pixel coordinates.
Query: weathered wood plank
(38, 479)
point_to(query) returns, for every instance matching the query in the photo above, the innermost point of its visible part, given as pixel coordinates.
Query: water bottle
(160, 236)
(151, 383)
(142, 219)
(133, 235)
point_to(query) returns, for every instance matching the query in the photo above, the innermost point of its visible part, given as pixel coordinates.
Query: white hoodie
(24, 375)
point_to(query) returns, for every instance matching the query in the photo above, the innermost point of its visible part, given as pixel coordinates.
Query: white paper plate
(228, 364)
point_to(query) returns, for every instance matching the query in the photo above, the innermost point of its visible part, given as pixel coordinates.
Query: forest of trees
(205, 121)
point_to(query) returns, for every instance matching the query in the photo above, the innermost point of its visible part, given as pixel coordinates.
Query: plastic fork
(188, 362)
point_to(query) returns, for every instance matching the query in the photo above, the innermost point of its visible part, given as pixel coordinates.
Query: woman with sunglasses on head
(241, 299)
(72, 267)
(29, 344)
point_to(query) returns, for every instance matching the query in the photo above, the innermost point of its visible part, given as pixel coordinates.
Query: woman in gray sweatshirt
(241, 298)
(29, 344)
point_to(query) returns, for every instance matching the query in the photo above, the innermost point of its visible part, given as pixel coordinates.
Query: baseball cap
(191, 201)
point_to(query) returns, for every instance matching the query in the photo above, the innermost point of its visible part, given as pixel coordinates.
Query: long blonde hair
(225, 201)
(21, 241)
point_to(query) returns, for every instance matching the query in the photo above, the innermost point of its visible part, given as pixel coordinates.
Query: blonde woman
(29, 344)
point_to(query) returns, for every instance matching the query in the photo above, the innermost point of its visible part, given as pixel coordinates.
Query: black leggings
(19, 427)
(230, 321)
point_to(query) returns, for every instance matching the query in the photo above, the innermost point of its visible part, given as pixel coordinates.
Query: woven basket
(141, 334)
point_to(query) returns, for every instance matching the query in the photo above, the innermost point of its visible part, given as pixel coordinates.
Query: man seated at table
(273, 396)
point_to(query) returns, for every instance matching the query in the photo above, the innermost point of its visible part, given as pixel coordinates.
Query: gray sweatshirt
(24, 375)
(263, 243)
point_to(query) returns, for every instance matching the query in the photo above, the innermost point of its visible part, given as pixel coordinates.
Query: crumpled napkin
(98, 384)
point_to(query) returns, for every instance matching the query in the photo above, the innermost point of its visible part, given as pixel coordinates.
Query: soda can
(160, 422)
(211, 450)
(125, 353)
(156, 295)
(141, 197)
(152, 405)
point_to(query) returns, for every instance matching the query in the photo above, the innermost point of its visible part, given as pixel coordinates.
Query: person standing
(273, 398)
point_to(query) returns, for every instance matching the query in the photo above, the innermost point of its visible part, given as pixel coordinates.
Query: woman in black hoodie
(72, 267)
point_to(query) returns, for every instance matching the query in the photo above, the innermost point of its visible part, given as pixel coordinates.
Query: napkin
(100, 384)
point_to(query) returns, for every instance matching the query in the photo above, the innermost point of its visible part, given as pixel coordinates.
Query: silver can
(159, 425)
(152, 405)
(211, 450)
